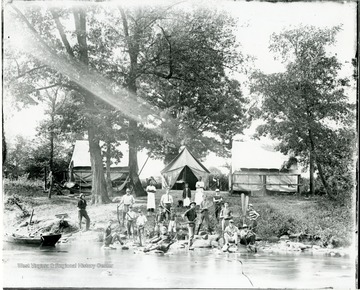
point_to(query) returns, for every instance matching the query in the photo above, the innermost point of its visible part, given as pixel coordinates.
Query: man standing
(126, 201)
(191, 216)
(82, 211)
(218, 203)
(166, 202)
(204, 213)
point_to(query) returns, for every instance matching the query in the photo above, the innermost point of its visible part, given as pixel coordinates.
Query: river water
(87, 265)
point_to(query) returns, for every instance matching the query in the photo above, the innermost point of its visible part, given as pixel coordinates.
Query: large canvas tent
(184, 168)
(80, 165)
(256, 168)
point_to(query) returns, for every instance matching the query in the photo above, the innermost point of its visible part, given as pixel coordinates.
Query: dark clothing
(204, 216)
(191, 215)
(167, 211)
(160, 217)
(217, 203)
(186, 193)
(82, 204)
(110, 238)
(82, 213)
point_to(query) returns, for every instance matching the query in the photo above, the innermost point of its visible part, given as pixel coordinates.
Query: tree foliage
(173, 62)
(306, 107)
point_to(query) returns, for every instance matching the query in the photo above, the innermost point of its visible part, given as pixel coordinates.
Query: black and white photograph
(179, 144)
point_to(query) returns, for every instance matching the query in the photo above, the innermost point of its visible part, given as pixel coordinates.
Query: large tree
(306, 105)
(144, 49)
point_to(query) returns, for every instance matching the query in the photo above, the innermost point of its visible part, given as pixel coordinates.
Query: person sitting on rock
(161, 243)
(230, 235)
(110, 237)
(247, 237)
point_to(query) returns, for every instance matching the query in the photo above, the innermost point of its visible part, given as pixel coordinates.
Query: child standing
(140, 224)
(253, 216)
(172, 222)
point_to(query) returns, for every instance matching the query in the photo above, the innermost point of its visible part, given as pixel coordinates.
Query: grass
(321, 221)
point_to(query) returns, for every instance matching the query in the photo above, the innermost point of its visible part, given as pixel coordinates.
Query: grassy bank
(317, 220)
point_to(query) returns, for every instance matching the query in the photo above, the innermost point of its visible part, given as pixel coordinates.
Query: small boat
(44, 240)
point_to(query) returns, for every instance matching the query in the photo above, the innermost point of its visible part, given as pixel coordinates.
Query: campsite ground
(314, 221)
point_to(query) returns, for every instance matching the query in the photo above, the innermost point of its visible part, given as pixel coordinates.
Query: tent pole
(144, 164)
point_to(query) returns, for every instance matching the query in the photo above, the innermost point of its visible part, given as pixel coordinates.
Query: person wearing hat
(253, 216)
(191, 216)
(82, 211)
(247, 237)
(126, 201)
(218, 200)
(130, 218)
(140, 224)
(231, 234)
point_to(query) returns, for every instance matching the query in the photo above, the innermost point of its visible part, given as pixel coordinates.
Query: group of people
(196, 216)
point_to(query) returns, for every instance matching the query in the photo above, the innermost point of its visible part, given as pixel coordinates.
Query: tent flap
(184, 161)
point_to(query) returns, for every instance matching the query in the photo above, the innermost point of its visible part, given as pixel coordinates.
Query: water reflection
(94, 267)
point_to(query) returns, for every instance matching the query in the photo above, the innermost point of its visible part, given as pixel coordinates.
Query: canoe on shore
(44, 240)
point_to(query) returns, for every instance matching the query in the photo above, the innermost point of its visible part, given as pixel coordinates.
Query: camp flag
(185, 167)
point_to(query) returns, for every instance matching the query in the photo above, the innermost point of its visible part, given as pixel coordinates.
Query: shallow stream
(88, 265)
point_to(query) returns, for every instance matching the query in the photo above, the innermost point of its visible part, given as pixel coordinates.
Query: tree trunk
(133, 50)
(98, 191)
(133, 162)
(319, 167)
(108, 175)
(324, 182)
(3, 134)
(312, 187)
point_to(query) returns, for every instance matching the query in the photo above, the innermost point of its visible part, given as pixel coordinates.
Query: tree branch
(62, 33)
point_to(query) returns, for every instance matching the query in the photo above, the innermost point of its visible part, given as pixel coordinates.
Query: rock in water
(106, 273)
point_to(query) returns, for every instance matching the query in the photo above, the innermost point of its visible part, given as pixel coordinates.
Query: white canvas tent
(256, 169)
(80, 165)
(184, 168)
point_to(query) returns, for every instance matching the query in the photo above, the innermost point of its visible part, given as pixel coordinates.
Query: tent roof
(185, 158)
(81, 155)
(253, 154)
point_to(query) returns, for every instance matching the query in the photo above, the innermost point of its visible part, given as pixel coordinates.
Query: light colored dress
(199, 194)
(151, 190)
